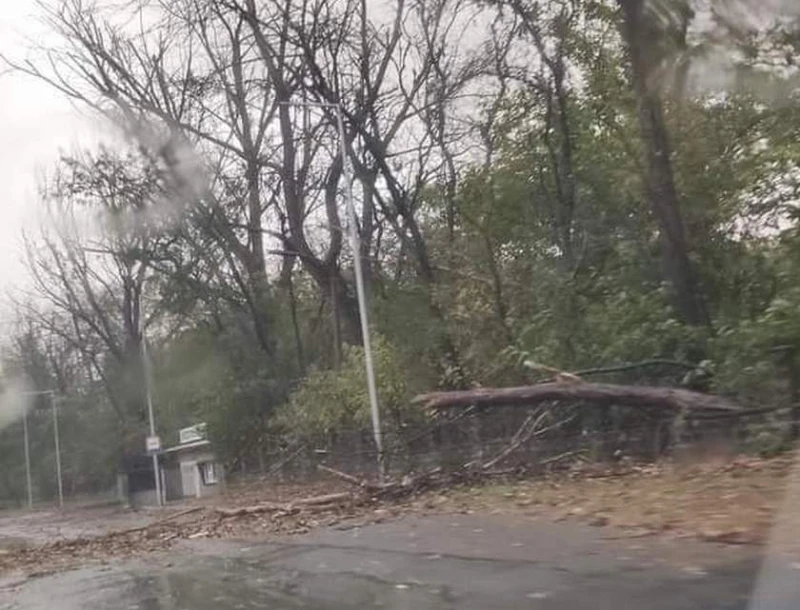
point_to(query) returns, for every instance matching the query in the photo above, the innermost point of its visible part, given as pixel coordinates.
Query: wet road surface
(461, 561)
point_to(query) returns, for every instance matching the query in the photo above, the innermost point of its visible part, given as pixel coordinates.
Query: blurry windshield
(505, 287)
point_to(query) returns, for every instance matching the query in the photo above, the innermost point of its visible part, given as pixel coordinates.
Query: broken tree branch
(362, 483)
(561, 456)
(320, 502)
(341, 475)
(334, 498)
(252, 510)
(523, 436)
(603, 393)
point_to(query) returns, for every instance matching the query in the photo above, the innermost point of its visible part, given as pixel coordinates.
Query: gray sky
(35, 124)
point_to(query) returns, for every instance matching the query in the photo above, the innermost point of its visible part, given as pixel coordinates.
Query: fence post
(27, 457)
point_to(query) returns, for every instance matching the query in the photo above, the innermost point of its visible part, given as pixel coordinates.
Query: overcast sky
(35, 125)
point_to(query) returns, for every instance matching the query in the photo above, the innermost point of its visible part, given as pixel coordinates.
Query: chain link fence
(51, 456)
(512, 441)
(520, 442)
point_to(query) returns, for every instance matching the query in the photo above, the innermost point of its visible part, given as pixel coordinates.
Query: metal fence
(50, 457)
(517, 442)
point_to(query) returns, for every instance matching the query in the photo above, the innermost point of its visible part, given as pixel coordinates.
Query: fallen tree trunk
(252, 510)
(376, 489)
(345, 477)
(636, 396)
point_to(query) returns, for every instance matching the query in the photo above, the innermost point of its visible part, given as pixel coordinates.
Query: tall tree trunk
(643, 34)
(336, 326)
(286, 282)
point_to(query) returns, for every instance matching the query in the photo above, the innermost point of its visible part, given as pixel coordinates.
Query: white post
(362, 301)
(355, 246)
(58, 451)
(149, 398)
(27, 457)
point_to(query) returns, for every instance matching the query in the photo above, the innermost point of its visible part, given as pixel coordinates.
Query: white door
(189, 479)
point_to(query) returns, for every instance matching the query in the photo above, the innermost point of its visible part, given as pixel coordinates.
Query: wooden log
(335, 498)
(341, 475)
(318, 502)
(178, 515)
(676, 399)
(349, 478)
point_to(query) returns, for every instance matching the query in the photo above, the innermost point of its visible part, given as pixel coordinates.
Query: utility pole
(355, 247)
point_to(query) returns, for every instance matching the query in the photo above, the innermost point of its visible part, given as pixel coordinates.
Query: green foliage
(770, 441)
(752, 355)
(337, 400)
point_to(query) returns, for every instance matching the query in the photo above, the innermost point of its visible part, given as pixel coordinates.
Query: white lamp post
(355, 246)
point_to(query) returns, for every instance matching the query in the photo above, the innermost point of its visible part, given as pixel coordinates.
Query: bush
(336, 400)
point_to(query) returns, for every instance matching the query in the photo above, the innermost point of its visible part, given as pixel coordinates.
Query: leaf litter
(732, 502)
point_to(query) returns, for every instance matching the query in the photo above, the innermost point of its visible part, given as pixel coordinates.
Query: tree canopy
(577, 182)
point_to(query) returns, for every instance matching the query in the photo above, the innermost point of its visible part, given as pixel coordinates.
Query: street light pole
(355, 246)
(149, 398)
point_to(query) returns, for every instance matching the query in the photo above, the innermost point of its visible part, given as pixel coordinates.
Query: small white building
(190, 469)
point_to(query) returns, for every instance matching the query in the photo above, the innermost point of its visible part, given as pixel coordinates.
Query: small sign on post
(153, 444)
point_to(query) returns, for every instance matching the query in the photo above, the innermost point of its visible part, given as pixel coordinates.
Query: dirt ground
(732, 502)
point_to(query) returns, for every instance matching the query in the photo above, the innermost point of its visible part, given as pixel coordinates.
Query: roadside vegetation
(559, 183)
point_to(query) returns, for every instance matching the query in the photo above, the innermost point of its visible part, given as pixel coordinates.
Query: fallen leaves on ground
(730, 502)
(206, 522)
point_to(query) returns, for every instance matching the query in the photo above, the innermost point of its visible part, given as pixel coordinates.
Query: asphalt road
(461, 561)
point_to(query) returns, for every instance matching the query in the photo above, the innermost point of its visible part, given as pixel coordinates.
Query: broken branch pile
(321, 502)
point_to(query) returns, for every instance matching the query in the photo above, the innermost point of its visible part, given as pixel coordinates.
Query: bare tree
(199, 79)
(90, 266)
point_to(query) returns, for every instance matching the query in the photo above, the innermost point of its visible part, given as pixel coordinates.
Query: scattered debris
(726, 503)
(730, 502)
